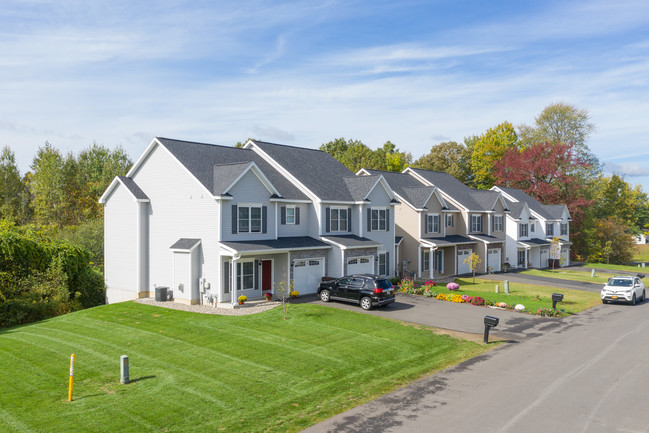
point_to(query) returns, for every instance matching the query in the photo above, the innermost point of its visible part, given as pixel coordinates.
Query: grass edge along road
(195, 372)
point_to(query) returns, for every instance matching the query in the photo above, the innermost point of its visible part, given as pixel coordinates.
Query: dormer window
(379, 220)
(432, 223)
(522, 230)
(249, 219)
(498, 223)
(564, 229)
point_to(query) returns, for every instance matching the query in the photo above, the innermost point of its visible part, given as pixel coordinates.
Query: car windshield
(619, 282)
(383, 284)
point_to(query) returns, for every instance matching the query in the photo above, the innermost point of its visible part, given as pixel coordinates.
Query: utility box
(123, 369)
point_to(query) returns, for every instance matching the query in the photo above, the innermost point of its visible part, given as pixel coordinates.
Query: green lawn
(531, 296)
(207, 373)
(641, 253)
(626, 268)
(571, 275)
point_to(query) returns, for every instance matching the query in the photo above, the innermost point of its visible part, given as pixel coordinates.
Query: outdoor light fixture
(489, 322)
(556, 297)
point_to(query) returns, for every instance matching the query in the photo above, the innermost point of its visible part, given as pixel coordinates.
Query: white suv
(624, 288)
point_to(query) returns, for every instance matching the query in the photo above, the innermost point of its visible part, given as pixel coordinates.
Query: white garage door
(493, 258)
(360, 265)
(307, 274)
(463, 268)
(545, 256)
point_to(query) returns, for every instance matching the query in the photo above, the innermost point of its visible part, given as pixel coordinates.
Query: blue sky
(305, 72)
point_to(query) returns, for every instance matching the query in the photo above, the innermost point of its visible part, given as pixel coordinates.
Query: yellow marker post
(71, 377)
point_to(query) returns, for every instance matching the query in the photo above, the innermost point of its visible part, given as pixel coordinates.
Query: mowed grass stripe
(198, 373)
(10, 422)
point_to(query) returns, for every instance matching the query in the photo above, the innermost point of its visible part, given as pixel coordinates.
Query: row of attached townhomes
(213, 223)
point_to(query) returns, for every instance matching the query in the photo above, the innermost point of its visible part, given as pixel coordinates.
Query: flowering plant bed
(530, 299)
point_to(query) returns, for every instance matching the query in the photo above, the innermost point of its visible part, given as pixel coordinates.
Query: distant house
(441, 222)
(213, 222)
(531, 227)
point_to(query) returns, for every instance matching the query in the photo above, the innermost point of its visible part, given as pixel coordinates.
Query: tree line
(550, 160)
(51, 231)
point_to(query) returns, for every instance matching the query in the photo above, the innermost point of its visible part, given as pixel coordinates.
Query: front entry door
(266, 275)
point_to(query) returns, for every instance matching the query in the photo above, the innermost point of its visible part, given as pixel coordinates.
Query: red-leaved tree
(548, 172)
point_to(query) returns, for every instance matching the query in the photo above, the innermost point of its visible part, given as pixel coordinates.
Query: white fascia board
(363, 172)
(260, 175)
(283, 171)
(341, 203)
(117, 181)
(386, 187)
(287, 200)
(504, 194)
(335, 244)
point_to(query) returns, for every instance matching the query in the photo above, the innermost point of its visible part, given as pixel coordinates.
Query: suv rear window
(383, 284)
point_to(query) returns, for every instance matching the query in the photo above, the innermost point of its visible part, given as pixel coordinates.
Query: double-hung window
(564, 229)
(522, 230)
(432, 223)
(249, 219)
(338, 219)
(450, 220)
(379, 220)
(245, 275)
(549, 229)
(476, 223)
(290, 214)
(498, 223)
(383, 265)
(425, 260)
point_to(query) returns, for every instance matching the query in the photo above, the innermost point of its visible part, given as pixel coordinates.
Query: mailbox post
(556, 297)
(489, 322)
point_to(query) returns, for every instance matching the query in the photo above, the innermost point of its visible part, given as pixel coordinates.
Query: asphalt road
(585, 373)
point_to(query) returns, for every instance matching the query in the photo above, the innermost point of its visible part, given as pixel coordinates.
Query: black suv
(366, 290)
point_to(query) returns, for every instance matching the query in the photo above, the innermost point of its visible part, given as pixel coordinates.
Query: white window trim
(293, 216)
(239, 281)
(450, 217)
(498, 223)
(331, 219)
(477, 217)
(520, 230)
(378, 219)
(250, 206)
(431, 228)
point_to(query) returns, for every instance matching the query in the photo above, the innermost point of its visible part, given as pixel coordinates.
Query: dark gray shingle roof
(201, 158)
(452, 187)
(486, 199)
(352, 241)
(184, 244)
(533, 203)
(555, 210)
(285, 243)
(320, 172)
(360, 186)
(133, 188)
(407, 187)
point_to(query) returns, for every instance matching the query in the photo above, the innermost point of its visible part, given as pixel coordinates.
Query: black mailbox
(489, 322)
(556, 297)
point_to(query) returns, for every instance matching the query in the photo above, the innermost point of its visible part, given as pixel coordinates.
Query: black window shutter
(387, 263)
(425, 223)
(283, 215)
(264, 215)
(226, 277)
(369, 219)
(387, 219)
(297, 215)
(349, 219)
(256, 274)
(327, 220)
(234, 219)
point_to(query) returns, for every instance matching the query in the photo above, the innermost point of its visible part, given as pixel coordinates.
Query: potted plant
(242, 299)
(295, 294)
(268, 296)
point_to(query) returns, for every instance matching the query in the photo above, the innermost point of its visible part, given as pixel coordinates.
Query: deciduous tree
(450, 157)
(490, 148)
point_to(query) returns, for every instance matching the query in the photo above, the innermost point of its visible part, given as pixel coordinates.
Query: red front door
(266, 275)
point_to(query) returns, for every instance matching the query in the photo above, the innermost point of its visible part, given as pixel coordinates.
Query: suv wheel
(366, 303)
(324, 295)
(643, 297)
(633, 300)
(604, 301)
